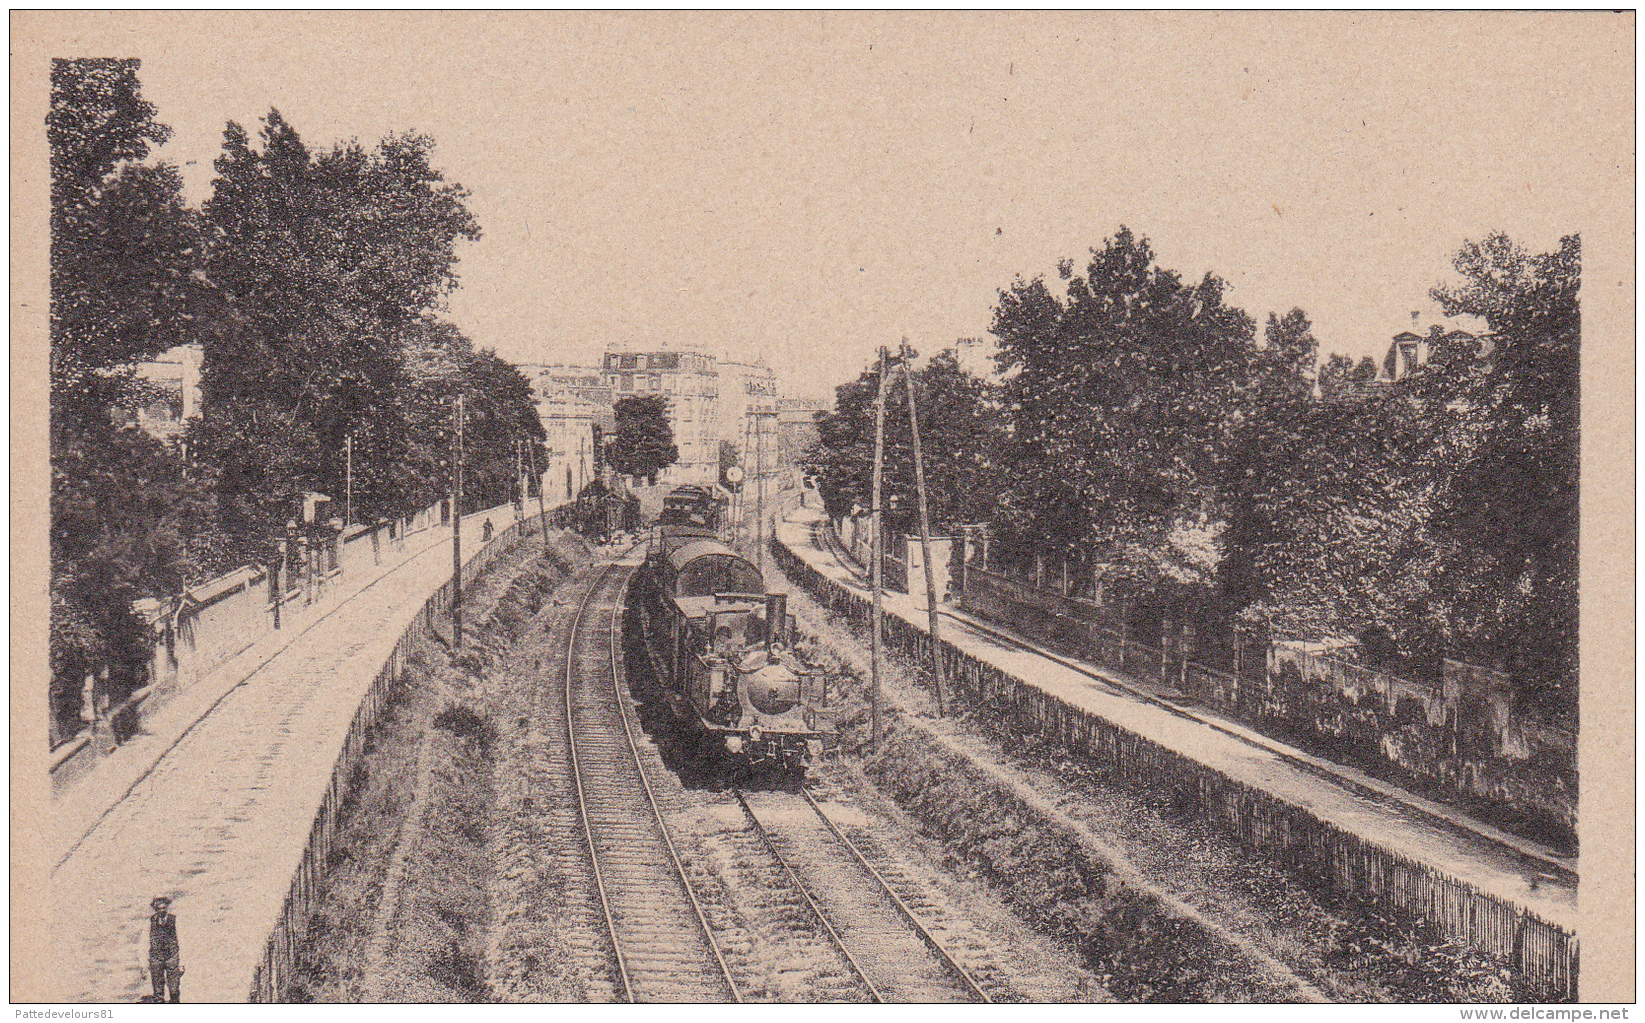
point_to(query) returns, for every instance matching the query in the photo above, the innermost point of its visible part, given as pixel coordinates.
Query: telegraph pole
(542, 516)
(874, 525)
(925, 524)
(348, 477)
(759, 492)
(457, 530)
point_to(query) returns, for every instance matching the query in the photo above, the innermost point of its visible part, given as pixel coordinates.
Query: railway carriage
(693, 505)
(723, 649)
(602, 511)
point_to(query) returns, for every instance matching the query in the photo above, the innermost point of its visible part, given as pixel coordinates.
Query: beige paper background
(1608, 741)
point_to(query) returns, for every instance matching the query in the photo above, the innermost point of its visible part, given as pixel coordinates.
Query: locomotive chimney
(776, 618)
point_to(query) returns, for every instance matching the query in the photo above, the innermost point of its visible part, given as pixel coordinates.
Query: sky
(805, 187)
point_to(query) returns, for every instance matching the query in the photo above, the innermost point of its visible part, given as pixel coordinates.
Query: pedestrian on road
(485, 532)
(165, 967)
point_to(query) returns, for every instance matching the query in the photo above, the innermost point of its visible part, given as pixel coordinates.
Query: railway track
(889, 946)
(662, 948)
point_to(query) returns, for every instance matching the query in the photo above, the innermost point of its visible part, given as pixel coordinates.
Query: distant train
(692, 505)
(601, 511)
(723, 650)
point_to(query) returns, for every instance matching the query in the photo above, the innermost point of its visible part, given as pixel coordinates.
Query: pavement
(213, 804)
(1522, 872)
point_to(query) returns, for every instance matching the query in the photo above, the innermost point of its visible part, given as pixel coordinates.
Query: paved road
(221, 819)
(1395, 820)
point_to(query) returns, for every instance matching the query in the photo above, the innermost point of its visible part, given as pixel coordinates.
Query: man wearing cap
(165, 966)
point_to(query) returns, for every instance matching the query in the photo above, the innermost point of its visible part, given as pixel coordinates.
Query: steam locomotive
(723, 650)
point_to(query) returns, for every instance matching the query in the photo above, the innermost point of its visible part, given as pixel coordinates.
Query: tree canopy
(312, 281)
(1507, 507)
(642, 442)
(124, 248)
(1124, 396)
(323, 264)
(960, 436)
(127, 521)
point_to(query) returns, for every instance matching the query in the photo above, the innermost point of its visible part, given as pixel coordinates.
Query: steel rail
(651, 800)
(582, 796)
(896, 900)
(800, 886)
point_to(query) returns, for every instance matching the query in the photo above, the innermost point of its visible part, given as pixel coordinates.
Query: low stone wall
(213, 623)
(1544, 954)
(285, 933)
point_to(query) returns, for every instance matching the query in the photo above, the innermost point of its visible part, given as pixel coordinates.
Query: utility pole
(874, 557)
(542, 484)
(740, 498)
(759, 492)
(925, 524)
(348, 485)
(457, 530)
(519, 480)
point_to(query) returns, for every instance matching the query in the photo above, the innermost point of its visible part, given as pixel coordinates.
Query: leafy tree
(1508, 513)
(960, 436)
(1341, 376)
(323, 263)
(642, 443)
(500, 409)
(124, 248)
(126, 520)
(1336, 376)
(1258, 473)
(1123, 396)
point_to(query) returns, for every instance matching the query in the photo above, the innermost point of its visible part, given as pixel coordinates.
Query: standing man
(165, 967)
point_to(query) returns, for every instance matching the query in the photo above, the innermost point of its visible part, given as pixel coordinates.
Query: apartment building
(690, 381)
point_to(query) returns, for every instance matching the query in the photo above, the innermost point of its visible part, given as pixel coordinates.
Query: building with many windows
(711, 399)
(570, 400)
(690, 381)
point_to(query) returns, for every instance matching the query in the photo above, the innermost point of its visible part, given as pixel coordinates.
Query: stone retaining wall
(1543, 954)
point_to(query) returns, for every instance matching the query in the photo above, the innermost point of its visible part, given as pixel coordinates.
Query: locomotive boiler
(723, 649)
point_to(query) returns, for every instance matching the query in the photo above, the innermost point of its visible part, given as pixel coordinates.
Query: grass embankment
(1161, 904)
(405, 911)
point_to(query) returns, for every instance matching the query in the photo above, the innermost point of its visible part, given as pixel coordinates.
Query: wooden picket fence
(1543, 954)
